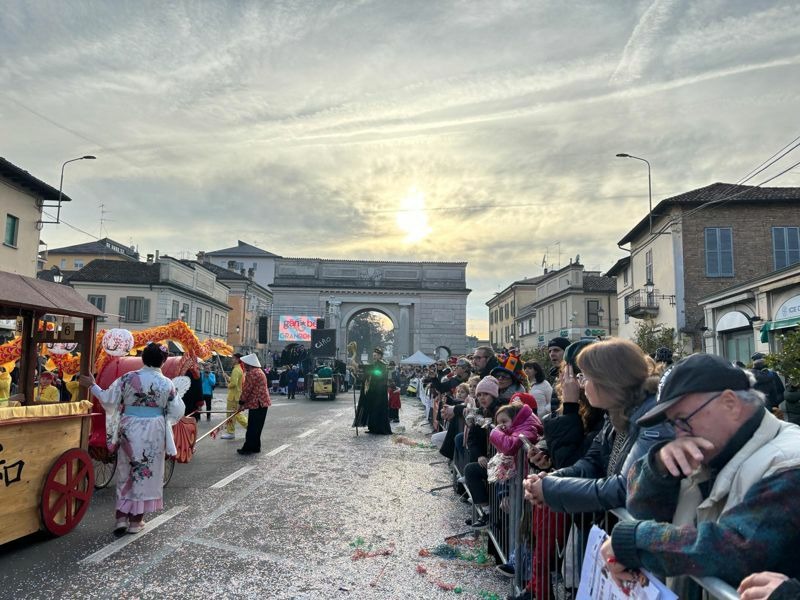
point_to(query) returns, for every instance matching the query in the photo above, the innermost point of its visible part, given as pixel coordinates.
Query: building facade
(703, 242)
(574, 303)
(426, 301)
(251, 306)
(245, 259)
(139, 295)
(752, 316)
(21, 199)
(74, 258)
(503, 311)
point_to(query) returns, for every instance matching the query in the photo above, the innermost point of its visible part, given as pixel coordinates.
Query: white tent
(418, 358)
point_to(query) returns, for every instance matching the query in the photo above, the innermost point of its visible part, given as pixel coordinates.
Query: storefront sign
(789, 309)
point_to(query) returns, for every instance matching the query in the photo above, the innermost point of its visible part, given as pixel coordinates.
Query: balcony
(641, 305)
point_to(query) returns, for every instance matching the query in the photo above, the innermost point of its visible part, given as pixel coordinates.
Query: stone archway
(390, 324)
(397, 314)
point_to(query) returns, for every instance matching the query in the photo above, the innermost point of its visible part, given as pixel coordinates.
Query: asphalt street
(320, 513)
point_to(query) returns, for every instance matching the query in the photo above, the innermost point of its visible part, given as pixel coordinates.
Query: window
(198, 320)
(134, 309)
(63, 264)
(12, 229)
(176, 307)
(625, 276)
(551, 310)
(216, 324)
(99, 302)
(77, 263)
(506, 338)
(785, 246)
(506, 307)
(648, 266)
(513, 311)
(208, 322)
(491, 318)
(719, 251)
(592, 316)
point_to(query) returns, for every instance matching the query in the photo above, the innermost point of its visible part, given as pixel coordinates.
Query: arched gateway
(426, 301)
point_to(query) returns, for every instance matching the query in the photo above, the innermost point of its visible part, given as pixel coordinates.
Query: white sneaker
(226, 436)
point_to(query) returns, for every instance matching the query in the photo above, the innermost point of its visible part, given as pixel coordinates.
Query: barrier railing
(546, 548)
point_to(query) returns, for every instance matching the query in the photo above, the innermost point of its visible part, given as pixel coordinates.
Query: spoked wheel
(169, 467)
(67, 491)
(105, 465)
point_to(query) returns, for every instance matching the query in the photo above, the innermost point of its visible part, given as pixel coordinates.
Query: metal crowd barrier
(547, 548)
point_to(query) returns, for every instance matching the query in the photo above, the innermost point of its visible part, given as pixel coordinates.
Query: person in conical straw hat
(255, 398)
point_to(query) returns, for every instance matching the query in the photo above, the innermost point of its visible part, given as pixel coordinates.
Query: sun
(412, 218)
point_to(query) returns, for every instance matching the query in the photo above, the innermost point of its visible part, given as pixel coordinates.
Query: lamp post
(649, 184)
(61, 182)
(58, 276)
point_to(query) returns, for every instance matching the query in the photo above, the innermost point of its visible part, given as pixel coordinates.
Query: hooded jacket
(525, 423)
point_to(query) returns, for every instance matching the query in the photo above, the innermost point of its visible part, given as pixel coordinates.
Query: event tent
(418, 358)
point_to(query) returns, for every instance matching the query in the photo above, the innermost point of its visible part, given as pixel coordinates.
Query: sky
(452, 130)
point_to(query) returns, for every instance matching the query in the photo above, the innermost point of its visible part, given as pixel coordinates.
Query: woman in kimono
(140, 408)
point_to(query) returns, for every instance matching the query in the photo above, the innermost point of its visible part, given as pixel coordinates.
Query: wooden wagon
(46, 474)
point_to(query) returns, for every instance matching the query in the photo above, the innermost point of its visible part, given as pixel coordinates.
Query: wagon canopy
(18, 292)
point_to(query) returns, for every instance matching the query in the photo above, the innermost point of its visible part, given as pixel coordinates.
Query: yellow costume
(48, 395)
(234, 393)
(5, 387)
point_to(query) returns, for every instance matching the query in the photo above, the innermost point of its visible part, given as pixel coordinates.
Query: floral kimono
(140, 409)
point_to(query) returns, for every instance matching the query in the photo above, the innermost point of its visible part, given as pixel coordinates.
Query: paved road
(287, 525)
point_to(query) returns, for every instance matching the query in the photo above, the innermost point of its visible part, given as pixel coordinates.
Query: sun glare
(411, 218)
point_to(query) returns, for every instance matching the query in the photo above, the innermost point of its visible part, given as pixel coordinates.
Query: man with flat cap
(372, 411)
(719, 500)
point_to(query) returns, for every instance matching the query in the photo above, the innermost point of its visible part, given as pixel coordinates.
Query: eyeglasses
(682, 423)
(582, 379)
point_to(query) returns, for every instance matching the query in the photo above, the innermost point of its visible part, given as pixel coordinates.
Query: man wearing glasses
(719, 499)
(484, 360)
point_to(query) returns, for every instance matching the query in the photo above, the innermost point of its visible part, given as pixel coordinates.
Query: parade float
(50, 454)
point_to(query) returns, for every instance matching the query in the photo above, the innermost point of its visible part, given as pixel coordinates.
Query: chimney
(156, 259)
(201, 257)
(149, 259)
(241, 272)
(250, 273)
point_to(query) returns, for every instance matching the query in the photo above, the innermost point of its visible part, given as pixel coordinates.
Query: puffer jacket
(525, 423)
(586, 486)
(792, 398)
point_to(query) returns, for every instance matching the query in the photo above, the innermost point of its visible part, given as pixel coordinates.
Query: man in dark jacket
(484, 360)
(767, 382)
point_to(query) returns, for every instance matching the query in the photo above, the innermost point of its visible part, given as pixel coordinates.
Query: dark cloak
(372, 411)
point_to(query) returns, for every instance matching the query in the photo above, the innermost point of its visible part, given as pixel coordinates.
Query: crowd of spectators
(698, 451)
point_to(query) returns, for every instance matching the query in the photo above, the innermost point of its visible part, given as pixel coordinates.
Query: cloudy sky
(415, 129)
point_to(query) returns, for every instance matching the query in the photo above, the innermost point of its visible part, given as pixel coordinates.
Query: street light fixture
(182, 315)
(649, 184)
(649, 288)
(58, 276)
(57, 205)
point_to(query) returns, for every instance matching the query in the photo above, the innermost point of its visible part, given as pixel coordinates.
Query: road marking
(306, 433)
(118, 545)
(325, 422)
(278, 449)
(235, 475)
(280, 404)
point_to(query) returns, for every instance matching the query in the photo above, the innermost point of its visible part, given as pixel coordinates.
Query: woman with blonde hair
(616, 377)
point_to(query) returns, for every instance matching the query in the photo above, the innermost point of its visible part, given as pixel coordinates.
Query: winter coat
(478, 437)
(792, 398)
(514, 388)
(567, 441)
(543, 393)
(525, 423)
(765, 383)
(747, 521)
(587, 485)
(209, 382)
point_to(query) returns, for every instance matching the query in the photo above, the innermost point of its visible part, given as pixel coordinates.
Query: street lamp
(649, 184)
(58, 276)
(61, 182)
(649, 288)
(182, 315)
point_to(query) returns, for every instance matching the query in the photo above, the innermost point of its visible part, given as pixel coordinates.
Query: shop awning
(773, 325)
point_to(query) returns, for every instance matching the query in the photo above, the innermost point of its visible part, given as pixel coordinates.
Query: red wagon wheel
(67, 491)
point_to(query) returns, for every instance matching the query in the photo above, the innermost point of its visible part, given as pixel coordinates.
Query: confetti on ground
(424, 552)
(402, 439)
(421, 569)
